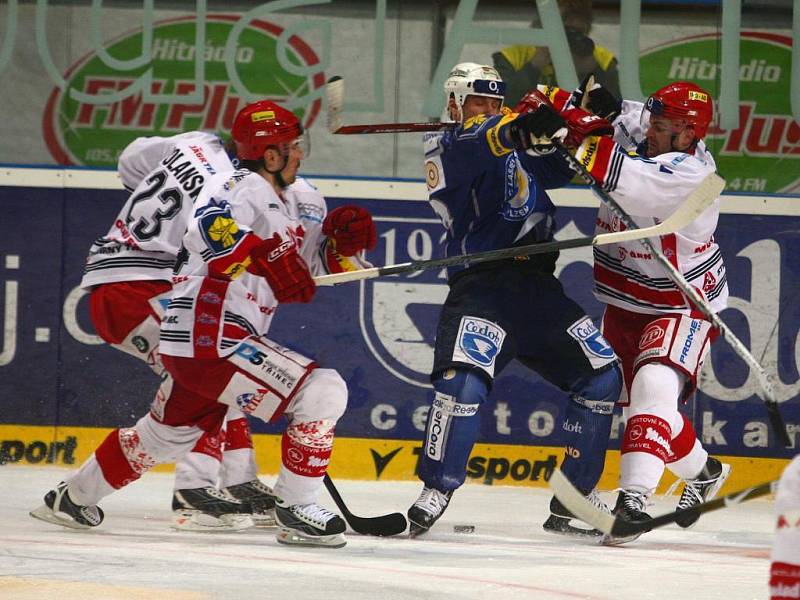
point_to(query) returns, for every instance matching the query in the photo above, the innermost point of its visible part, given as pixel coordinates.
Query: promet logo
(79, 133)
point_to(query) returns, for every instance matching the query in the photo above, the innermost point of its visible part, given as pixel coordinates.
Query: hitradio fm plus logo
(82, 133)
(763, 153)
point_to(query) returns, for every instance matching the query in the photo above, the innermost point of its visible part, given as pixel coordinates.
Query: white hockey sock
(654, 397)
(640, 471)
(297, 489)
(690, 466)
(87, 486)
(238, 466)
(196, 470)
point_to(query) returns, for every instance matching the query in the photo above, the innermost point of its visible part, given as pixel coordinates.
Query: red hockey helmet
(263, 124)
(683, 101)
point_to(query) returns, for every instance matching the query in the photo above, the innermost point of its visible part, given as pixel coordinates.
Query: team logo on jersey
(594, 345)
(478, 342)
(520, 195)
(223, 230)
(220, 231)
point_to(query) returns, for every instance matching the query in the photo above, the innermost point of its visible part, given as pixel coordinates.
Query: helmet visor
(301, 143)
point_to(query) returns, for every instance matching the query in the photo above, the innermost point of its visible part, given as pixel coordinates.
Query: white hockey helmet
(472, 79)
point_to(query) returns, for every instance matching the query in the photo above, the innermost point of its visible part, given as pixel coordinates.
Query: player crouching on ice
(246, 251)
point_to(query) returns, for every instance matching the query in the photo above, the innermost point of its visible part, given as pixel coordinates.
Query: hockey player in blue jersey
(489, 196)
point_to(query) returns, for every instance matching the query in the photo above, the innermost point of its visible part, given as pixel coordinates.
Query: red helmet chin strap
(277, 173)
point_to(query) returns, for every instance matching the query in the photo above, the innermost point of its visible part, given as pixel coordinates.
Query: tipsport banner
(762, 154)
(78, 130)
(378, 333)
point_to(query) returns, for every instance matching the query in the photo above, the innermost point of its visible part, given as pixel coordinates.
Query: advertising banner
(377, 333)
(85, 131)
(763, 153)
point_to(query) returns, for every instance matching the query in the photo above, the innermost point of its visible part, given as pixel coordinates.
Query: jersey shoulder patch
(434, 173)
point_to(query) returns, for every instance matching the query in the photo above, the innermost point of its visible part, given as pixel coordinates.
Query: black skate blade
(561, 526)
(293, 537)
(415, 529)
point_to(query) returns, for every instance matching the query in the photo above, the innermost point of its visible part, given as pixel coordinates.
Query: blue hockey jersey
(487, 195)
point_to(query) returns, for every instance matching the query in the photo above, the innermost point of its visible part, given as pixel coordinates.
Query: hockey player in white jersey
(317, 396)
(784, 582)
(128, 274)
(656, 158)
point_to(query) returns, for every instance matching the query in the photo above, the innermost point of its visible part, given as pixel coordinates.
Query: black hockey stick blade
(617, 526)
(383, 525)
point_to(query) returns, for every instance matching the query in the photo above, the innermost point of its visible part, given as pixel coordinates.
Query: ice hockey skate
(59, 509)
(702, 489)
(630, 506)
(560, 519)
(207, 509)
(308, 525)
(258, 500)
(430, 505)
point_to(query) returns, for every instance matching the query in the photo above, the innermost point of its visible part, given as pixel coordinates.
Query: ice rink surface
(134, 553)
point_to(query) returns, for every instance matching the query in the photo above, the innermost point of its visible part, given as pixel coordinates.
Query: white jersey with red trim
(165, 176)
(649, 190)
(216, 303)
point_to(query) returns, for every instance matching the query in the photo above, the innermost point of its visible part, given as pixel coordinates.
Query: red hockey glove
(351, 228)
(531, 101)
(286, 272)
(582, 124)
(593, 97)
(535, 132)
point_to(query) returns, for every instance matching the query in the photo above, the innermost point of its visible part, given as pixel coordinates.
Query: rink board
(362, 458)
(378, 334)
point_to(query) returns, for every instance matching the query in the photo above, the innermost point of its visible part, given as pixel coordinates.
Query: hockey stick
(334, 93)
(618, 526)
(384, 525)
(697, 202)
(335, 97)
(767, 391)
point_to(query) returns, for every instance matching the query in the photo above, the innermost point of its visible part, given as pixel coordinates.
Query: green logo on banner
(79, 133)
(763, 153)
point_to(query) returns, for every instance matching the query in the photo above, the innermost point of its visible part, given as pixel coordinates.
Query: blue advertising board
(377, 333)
